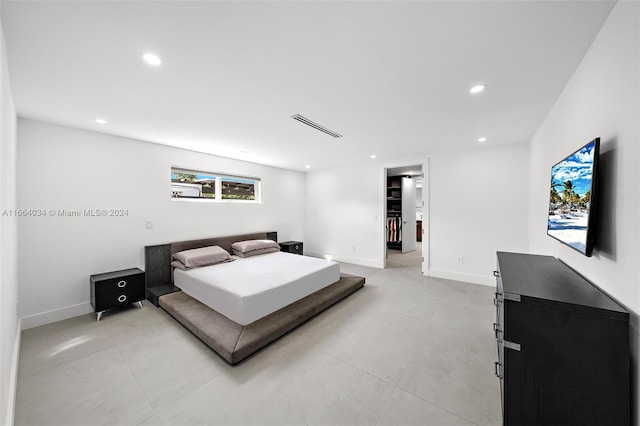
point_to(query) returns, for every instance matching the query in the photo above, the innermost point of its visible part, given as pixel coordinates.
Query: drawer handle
(497, 331)
(496, 366)
(122, 283)
(497, 299)
(122, 298)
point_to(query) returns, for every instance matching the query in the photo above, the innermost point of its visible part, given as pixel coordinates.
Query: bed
(238, 307)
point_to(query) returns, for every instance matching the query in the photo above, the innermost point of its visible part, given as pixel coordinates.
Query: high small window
(193, 184)
(235, 188)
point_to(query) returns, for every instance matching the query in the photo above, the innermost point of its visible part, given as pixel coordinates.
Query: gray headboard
(157, 259)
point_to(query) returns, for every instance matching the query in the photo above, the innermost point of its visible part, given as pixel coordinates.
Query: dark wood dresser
(563, 346)
(115, 289)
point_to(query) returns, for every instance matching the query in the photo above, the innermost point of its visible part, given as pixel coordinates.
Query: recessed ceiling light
(373, 156)
(152, 59)
(482, 139)
(100, 120)
(308, 166)
(477, 89)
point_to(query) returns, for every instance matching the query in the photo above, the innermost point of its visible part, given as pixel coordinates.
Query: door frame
(426, 217)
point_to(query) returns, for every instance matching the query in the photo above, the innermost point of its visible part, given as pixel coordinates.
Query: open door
(408, 214)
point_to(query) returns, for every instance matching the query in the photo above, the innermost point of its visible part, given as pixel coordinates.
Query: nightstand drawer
(114, 300)
(120, 284)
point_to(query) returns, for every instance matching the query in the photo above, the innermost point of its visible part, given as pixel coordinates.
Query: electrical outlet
(459, 260)
(149, 224)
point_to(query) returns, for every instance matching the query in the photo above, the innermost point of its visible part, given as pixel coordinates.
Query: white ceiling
(392, 77)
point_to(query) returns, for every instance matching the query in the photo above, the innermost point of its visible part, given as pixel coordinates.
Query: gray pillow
(253, 247)
(179, 265)
(202, 256)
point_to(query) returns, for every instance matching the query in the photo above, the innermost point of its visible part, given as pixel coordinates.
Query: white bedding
(252, 287)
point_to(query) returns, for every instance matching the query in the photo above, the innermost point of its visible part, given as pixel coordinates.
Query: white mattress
(250, 288)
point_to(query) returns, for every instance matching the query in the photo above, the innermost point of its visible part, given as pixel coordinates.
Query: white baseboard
(354, 260)
(13, 377)
(474, 279)
(48, 317)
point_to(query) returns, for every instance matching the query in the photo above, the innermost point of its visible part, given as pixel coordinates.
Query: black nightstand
(294, 247)
(115, 289)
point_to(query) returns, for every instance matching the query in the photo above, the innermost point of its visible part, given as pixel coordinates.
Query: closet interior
(394, 212)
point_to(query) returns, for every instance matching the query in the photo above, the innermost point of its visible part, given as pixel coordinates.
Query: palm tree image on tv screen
(570, 198)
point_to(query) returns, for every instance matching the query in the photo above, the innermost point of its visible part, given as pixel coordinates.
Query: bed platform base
(235, 342)
(232, 341)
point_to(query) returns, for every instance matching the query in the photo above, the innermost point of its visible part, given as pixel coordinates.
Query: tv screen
(572, 197)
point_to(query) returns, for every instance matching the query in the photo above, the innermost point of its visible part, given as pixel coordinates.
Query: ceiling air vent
(316, 126)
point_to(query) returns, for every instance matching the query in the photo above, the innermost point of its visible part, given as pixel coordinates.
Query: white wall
(343, 214)
(9, 322)
(66, 168)
(601, 99)
(478, 205)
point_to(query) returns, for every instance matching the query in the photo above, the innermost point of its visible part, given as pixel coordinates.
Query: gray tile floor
(404, 350)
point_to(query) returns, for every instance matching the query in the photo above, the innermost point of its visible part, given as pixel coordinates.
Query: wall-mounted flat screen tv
(572, 197)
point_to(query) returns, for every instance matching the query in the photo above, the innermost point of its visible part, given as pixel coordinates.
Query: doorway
(404, 214)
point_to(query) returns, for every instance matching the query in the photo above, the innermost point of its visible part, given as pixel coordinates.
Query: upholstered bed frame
(230, 340)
